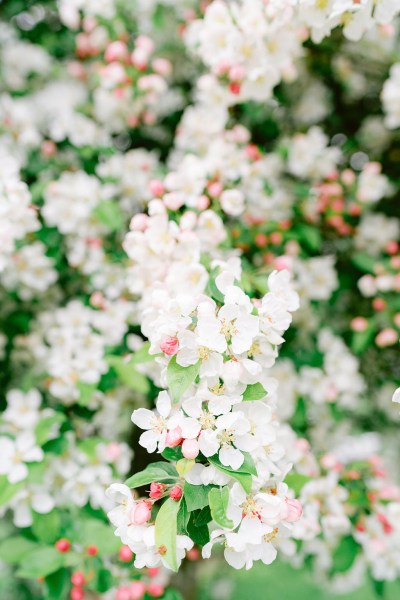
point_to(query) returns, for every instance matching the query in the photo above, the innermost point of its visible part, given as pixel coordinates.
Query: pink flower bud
(137, 589)
(125, 554)
(392, 247)
(170, 346)
(359, 324)
(48, 148)
(123, 593)
(261, 240)
(78, 579)
(157, 490)
(283, 262)
(113, 451)
(156, 187)
(252, 152)
(116, 51)
(153, 571)
(222, 67)
(156, 590)
(162, 66)
(214, 189)
(387, 527)
(295, 510)
(173, 201)
(378, 304)
(139, 59)
(276, 237)
(235, 88)
(193, 554)
(77, 593)
(139, 222)
(141, 512)
(237, 73)
(144, 43)
(386, 337)
(176, 493)
(174, 438)
(202, 202)
(190, 449)
(63, 545)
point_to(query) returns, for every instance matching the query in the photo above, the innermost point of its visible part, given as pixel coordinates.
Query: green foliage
(47, 527)
(128, 374)
(196, 496)
(296, 481)
(254, 392)
(180, 378)
(345, 554)
(166, 531)
(218, 500)
(157, 472)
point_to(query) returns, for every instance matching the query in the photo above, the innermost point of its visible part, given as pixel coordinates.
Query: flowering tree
(199, 275)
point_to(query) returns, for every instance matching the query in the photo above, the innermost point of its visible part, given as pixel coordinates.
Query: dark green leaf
(57, 585)
(344, 554)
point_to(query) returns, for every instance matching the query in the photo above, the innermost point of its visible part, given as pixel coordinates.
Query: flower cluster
(199, 230)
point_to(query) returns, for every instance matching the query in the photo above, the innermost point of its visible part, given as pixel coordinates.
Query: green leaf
(173, 454)
(44, 430)
(96, 533)
(345, 554)
(363, 262)
(198, 533)
(213, 291)
(244, 479)
(128, 374)
(182, 518)
(159, 472)
(142, 355)
(171, 594)
(109, 213)
(310, 236)
(296, 482)
(203, 517)
(46, 527)
(86, 391)
(13, 550)
(180, 378)
(219, 499)
(166, 531)
(184, 465)
(41, 562)
(7, 489)
(196, 496)
(57, 585)
(104, 581)
(254, 392)
(378, 586)
(362, 339)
